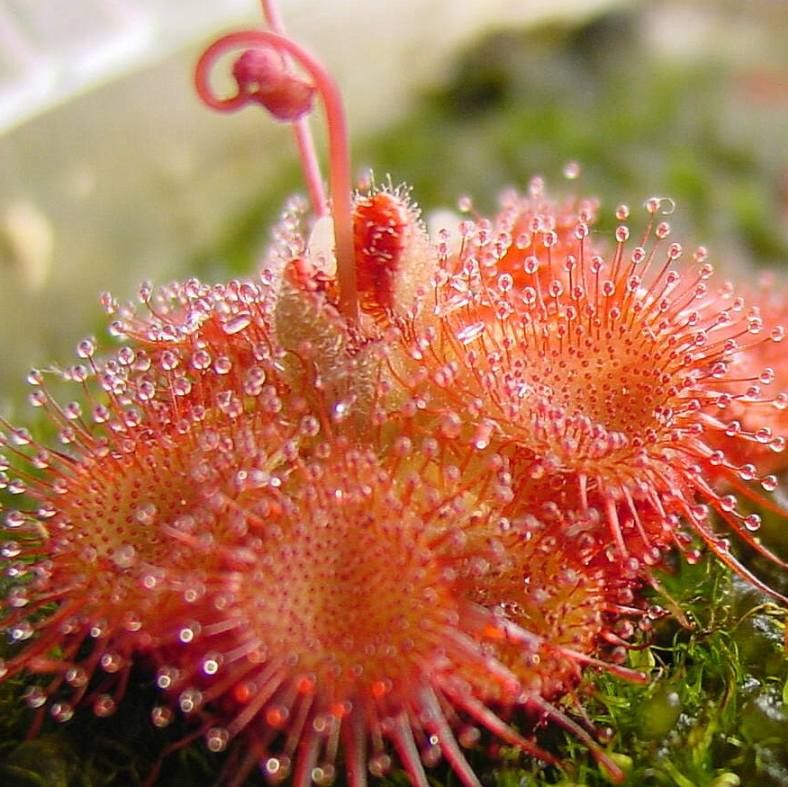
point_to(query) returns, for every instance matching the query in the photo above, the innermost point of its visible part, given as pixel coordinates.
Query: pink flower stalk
(259, 45)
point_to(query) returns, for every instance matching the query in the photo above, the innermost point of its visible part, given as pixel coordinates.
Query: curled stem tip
(290, 102)
(303, 134)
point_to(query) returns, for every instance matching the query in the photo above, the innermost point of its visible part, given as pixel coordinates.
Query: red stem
(340, 187)
(303, 134)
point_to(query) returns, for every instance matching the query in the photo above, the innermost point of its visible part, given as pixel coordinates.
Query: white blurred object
(52, 49)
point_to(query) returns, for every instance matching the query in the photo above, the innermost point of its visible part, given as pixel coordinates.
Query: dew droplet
(470, 333)
(752, 522)
(169, 361)
(76, 677)
(310, 426)
(767, 376)
(161, 716)
(126, 356)
(10, 549)
(61, 711)
(201, 360)
(505, 282)
(104, 705)
(216, 739)
(210, 664)
(145, 513)
(181, 386)
(34, 696)
(572, 170)
(166, 677)
(189, 633)
(86, 348)
(769, 483)
(728, 503)
(38, 398)
(21, 437)
(747, 472)
(16, 487)
(276, 769)
(111, 662)
(14, 519)
(662, 230)
(124, 556)
(237, 323)
(189, 700)
(222, 365)
(379, 765)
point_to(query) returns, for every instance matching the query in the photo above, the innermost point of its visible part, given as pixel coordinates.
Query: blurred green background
(681, 98)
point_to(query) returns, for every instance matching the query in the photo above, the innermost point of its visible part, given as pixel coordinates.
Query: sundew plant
(469, 497)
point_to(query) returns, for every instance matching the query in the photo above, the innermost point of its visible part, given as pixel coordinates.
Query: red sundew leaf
(390, 246)
(557, 579)
(348, 621)
(598, 385)
(102, 553)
